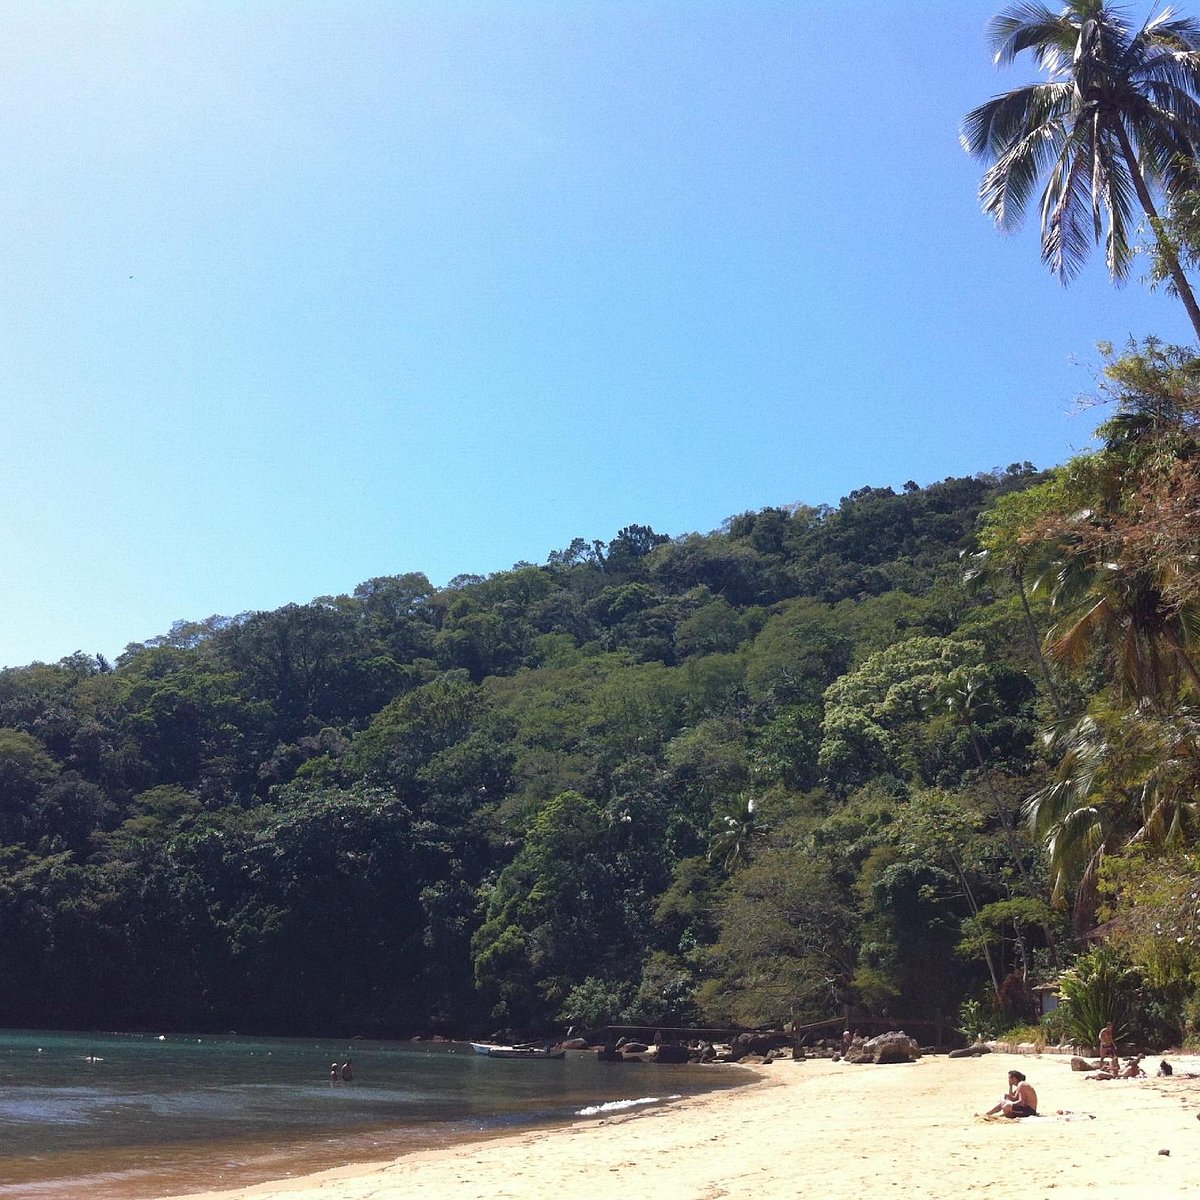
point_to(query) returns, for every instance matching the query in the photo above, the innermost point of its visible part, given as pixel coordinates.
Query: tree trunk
(970, 896)
(1014, 848)
(1178, 278)
(1035, 637)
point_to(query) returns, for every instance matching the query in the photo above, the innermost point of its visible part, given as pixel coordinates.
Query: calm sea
(121, 1117)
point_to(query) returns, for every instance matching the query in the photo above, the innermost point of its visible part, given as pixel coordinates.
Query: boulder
(754, 1043)
(970, 1051)
(673, 1053)
(891, 1047)
(574, 1043)
(1082, 1064)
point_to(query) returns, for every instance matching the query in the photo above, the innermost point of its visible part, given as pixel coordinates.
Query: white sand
(825, 1130)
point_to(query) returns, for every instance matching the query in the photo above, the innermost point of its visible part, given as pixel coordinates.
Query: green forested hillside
(741, 776)
(911, 755)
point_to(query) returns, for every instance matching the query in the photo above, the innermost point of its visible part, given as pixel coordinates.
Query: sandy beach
(823, 1129)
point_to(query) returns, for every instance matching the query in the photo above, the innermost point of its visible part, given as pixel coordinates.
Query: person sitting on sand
(1019, 1101)
(1133, 1069)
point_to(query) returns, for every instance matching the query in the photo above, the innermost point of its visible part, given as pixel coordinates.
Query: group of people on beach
(342, 1074)
(1021, 1100)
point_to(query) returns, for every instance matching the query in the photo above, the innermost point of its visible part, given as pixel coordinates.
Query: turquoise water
(119, 1117)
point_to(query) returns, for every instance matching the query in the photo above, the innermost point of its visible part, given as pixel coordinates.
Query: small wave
(595, 1110)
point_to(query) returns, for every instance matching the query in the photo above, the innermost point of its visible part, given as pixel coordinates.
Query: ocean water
(126, 1116)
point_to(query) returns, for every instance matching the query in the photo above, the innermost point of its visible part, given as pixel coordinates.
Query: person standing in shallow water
(1019, 1101)
(334, 1075)
(347, 1071)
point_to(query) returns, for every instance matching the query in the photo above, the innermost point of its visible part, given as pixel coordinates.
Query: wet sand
(823, 1129)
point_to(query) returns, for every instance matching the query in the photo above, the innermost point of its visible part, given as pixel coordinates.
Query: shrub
(1097, 989)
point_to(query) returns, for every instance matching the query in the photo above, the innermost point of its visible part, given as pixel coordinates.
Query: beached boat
(516, 1051)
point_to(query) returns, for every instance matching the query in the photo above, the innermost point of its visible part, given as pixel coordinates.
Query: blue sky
(297, 294)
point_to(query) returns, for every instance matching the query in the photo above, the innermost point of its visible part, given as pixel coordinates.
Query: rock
(753, 1043)
(1082, 1064)
(891, 1047)
(1166, 1152)
(970, 1051)
(673, 1054)
(575, 1043)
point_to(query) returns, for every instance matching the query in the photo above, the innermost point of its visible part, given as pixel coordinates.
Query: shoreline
(833, 1130)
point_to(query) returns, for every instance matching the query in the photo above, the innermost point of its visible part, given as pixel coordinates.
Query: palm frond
(1068, 202)
(1167, 29)
(1116, 198)
(1006, 187)
(1028, 26)
(989, 131)
(1073, 642)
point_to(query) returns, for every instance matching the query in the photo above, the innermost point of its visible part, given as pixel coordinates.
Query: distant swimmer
(334, 1074)
(347, 1071)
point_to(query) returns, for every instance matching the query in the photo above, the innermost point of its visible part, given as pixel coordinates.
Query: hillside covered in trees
(912, 755)
(745, 776)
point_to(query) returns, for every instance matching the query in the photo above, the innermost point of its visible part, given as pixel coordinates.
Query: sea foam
(595, 1110)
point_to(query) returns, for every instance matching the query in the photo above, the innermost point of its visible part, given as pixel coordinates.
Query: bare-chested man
(1019, 1101)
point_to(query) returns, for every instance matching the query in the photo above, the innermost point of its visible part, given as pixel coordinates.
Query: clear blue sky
(294, 294)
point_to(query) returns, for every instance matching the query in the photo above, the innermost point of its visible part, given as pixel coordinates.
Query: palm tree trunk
(1035, 638)
(1178, 278)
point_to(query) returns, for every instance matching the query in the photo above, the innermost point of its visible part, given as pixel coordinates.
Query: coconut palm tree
(1116, 117)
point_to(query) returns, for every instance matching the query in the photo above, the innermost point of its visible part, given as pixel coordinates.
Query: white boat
(516, 1051)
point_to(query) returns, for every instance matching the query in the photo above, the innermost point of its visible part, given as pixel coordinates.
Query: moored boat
(516, 1051)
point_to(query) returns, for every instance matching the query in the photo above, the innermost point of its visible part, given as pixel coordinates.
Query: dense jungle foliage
(746, 776)
(709, 776)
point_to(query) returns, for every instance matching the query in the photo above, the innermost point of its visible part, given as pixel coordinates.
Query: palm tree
(1124, 778)
(733, 831)
(1117, 116)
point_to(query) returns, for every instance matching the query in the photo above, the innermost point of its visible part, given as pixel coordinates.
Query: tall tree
(1117, 117)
